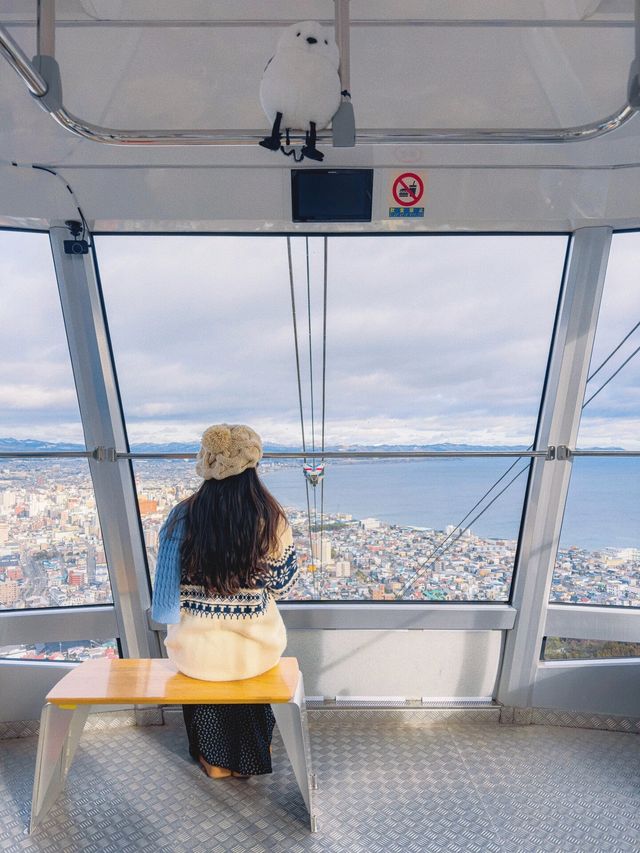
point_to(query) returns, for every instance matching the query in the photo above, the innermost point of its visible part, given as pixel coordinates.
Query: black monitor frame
(331, 195)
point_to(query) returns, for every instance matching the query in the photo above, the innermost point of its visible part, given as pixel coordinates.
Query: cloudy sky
(429, 339)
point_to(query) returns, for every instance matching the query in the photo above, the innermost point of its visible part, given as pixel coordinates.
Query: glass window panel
(598, 559)
(65, 650)
(437, 342)
(201, 331)
(566, 648)
(423, 545)
(438, 339)
(612, 418)
(38, 401)
(160, 485)
(429, 339)
(425, 79)
(51, 551)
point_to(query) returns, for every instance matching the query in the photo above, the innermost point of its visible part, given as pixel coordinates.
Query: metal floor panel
(387, 784)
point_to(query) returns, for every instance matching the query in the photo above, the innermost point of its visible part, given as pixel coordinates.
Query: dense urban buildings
(51, 552)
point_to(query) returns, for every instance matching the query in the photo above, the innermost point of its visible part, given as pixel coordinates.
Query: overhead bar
(551, 453)
(371, 136)
(44, 454)
(614, 453)
(487, 23)
(14, 55)
(633, 89)
(342, 25)
(365, 454)
(38, 86)
(46, 27)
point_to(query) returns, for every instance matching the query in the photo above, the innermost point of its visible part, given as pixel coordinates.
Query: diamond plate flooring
(389, 782)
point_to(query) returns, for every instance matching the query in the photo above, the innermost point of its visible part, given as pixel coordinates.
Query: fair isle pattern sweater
(221, 638)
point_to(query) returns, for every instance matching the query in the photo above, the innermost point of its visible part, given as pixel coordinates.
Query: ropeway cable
(313, 426)
(313, 420)
(317, 528)
(324, 388)
(295, 339)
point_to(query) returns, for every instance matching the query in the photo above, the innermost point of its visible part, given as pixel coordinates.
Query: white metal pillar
(103, 425)
(549, 481)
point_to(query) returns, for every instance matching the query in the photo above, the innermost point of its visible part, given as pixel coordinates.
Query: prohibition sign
(408, 189)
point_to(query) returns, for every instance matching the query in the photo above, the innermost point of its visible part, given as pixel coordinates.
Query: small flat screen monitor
(331, 195)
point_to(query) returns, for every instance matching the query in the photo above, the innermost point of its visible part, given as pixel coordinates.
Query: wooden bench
(158, 682)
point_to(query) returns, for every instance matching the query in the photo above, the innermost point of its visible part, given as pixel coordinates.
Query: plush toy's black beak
(311, 40)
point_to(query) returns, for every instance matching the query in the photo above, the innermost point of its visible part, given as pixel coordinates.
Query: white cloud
(35, 397)
(429, 339)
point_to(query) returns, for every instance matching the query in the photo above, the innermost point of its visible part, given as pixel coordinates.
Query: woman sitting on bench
(225, 553)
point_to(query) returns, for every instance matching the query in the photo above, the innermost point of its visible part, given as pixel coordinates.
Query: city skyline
(51, 552)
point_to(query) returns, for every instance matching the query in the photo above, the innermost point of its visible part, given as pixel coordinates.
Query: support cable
(604, 385)
(613, 352)
(428, 562)
(434, 555)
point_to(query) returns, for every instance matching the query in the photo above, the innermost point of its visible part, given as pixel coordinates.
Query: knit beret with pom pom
(226, 450)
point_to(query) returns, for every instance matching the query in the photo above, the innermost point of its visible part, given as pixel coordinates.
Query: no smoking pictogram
(408, 189)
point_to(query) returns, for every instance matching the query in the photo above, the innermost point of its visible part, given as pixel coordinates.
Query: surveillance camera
(76, 247)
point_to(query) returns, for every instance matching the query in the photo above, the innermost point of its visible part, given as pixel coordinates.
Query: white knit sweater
(221, 638)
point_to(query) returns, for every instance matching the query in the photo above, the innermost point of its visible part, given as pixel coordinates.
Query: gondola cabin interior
(429, 308)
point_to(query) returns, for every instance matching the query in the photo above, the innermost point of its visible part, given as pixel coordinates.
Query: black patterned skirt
(237, 737)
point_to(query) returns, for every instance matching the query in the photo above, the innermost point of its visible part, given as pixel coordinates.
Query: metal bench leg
(60, 730)
(291, 720)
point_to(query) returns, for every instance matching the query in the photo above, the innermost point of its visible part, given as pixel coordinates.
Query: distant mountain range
(8, 445)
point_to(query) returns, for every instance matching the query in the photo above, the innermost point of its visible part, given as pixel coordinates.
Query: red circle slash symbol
(408, 189)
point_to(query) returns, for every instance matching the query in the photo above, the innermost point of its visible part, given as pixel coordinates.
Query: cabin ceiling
(150, 64)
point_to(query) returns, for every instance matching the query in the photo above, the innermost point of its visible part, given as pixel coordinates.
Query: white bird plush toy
(300, 88)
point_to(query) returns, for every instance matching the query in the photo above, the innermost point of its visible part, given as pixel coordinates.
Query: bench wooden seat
(158, 682)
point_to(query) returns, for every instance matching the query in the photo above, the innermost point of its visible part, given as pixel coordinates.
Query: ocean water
(603, 506)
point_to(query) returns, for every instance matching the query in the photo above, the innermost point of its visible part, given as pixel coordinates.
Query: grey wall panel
(246, 197)
(46, 626)
(24, 686)
(603, 687)
(593, 623)
(411, 664)
(447, 616)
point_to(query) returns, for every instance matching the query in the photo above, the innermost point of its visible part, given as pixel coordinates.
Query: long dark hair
(231, 526)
